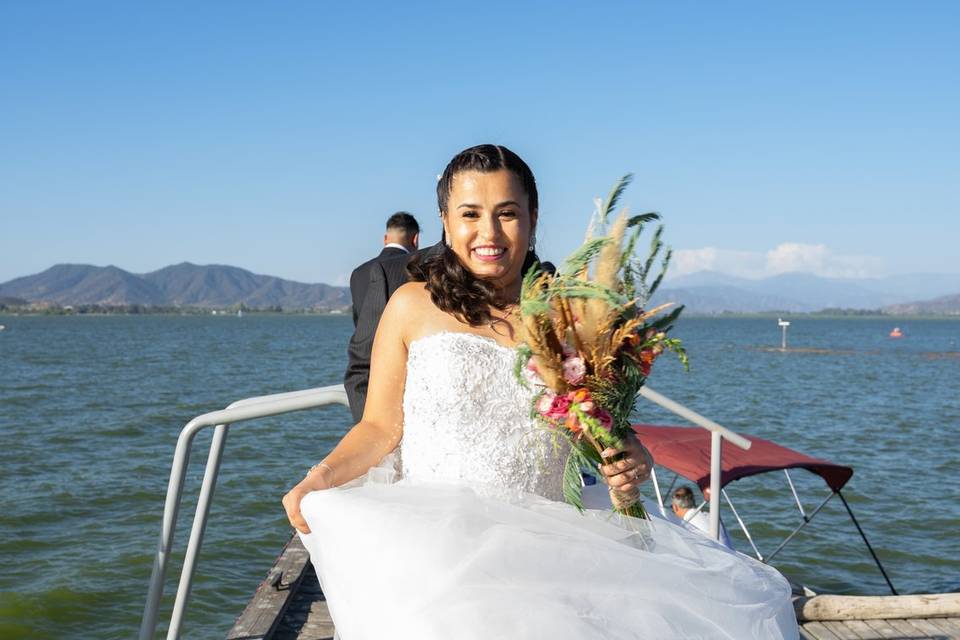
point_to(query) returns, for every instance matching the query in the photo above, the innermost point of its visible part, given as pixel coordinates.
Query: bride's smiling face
(488, 224)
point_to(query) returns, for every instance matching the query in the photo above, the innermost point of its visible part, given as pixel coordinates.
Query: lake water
(90, 409)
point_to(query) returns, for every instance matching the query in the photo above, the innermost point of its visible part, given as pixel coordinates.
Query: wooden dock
(902, 629)
(289, 605)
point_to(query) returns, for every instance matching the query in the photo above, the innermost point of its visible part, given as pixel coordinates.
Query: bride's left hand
(627, 474)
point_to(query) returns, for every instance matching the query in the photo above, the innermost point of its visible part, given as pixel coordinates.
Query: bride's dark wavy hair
(453, 287)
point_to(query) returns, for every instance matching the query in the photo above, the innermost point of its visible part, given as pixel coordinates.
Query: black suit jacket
(360, 278)
(386, 276)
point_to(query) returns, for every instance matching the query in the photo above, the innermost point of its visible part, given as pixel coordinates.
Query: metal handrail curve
(240, 411)
(281, 403)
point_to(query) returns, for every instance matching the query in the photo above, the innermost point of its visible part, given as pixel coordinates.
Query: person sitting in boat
(685, 506)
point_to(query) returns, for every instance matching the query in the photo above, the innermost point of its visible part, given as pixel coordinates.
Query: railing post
(717, 435)
(656, 485)
(716, 444)
(171, 507)
(197, 530)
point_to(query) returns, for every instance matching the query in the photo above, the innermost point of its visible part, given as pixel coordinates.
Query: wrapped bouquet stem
(586, 334)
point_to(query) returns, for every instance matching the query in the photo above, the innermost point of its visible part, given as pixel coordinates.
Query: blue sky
(278, 137)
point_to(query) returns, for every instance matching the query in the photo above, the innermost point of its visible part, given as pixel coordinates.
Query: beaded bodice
(467, 419)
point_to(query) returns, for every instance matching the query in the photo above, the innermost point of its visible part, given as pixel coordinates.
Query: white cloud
(787, 257)
(745, 264)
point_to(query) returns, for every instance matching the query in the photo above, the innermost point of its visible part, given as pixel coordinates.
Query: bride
(474, 541)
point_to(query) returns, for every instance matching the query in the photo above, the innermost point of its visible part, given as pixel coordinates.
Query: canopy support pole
(672, 483)
(867, 542)
(743, 526)
(806, 521)
(795, 496)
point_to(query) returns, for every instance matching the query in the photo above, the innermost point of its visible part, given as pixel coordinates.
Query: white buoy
(783, 324)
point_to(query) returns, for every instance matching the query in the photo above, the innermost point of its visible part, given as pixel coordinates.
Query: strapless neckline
(445, 333)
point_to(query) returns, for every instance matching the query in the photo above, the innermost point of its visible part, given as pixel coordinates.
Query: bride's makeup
(488, 224)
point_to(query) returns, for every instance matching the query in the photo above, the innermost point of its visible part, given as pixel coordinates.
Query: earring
(533, 242)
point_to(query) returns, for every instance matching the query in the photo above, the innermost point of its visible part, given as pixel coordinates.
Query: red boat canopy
(686, 451)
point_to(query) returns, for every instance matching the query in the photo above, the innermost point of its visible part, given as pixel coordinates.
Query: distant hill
(222, 286)
(711, 292)
(66, 284)
(183, 284)
(944, 305)
(718, 299)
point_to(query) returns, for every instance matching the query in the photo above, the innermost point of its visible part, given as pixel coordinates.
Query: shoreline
(204, 312)
(199, 312)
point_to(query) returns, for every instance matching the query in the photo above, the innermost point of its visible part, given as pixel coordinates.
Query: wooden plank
(906, 630)
(837, 607)
(262, 614)
(883, 628)
(926, 629)
(953, 622)
(806, 635)
(862, 629)
(946, 626)
(307, 617)
(841, 630)
(818, 631)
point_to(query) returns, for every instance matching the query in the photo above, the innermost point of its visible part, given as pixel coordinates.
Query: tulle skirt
(438, 561)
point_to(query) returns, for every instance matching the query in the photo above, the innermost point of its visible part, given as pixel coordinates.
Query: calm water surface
(90, 409)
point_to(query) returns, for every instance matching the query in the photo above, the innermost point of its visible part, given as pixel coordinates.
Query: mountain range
(185, 284)
(712, 292)
(220, 286)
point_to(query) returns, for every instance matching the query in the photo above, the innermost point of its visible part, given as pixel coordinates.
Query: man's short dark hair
(683, 498)
(404, 221)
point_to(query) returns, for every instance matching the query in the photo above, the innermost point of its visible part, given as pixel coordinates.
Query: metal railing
(243, 410)
(717, 435)
(281, 403)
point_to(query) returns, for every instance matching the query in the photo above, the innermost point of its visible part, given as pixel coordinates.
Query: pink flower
(545, 402)
(574, 370)
(604, 418)
(559, 407)
(587, 406)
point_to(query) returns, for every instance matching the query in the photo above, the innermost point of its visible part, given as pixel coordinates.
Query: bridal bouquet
(585, 332)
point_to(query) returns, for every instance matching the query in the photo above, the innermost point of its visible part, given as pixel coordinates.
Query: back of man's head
(402, 229)
(683, 499)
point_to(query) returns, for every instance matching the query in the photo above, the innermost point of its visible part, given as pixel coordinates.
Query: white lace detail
(467, 419)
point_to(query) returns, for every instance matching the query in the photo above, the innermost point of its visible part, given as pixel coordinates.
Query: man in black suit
(386, 276)
(401, 239)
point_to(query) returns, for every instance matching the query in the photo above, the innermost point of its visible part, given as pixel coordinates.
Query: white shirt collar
(396, 246)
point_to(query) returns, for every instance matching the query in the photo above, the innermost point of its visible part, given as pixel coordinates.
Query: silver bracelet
(323, 465)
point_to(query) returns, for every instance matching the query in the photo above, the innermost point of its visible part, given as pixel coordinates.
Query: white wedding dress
(473, 540)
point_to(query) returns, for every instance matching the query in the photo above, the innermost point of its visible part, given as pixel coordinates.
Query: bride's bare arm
(381, 428)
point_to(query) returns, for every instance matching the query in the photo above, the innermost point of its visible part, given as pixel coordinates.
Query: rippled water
(90, 408)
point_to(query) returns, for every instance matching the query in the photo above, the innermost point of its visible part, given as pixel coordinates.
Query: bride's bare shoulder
(408, 304)
(410, 296)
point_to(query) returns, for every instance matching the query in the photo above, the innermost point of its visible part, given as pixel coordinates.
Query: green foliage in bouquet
(586, 333)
